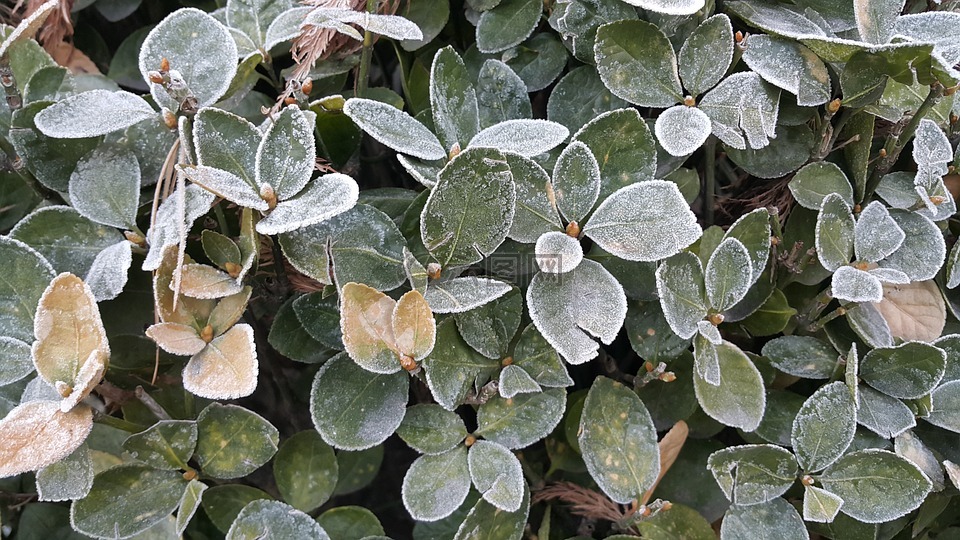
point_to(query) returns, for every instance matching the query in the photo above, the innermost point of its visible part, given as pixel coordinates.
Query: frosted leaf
(394, 128)
(108, 273)
(558, 253)
(576, 181)
(486, 521)
(69, 478)
(706, 54)
(884, 415)
(176, 338)
(646, 221)
(946, 410)
(525, 137)
(366, 322)
(815, 181)
(228, 311)
(739, 400)
(914, 311)
(197, 46)
(819, 505)
(791, 66)
(453, 366)
(937, 27)
(889, 275)
(535, 356)
(431, 429)
(775, 518)
(876, 485)
(330, 18)
(226, 368)
(515, 380)
(354, 409)
(683, 296)
(105, 187)
(436, 485)
(853, 285)
(931, 148)
(287, 153)
(909, 446)
(425, 173)
(497, 475)
(254, 16)
(870, 326)
(165, 229)
(206, 282)
(947, 206)
(29, 26)
(416, 273)
(569, 308)
(391, 26)
(625, 149)
(876, 235)
(709, 332)
(706, 359)
(681, 129)
(753, 474)
(464, 293)
(507, 25)
(669, 7)
(728, 274)
(753, 231)
(923, 250)
(285, 27)
(15, 360)
(265, 519)
(636, 62)
(743, 110)
(226, 141)
(324, 197)
(168, 444)
(37, 434)
(851, 374)
(453, 100)
(69, 241)
(414, 327)
(38, 390)
(92, 113)
(776, 19)
(824, 427)
(501, 94)
(522, 420)
(224, 184)
(89, 376)
(834, 233)
(908, 371)
(536, 209)
(189, 504)
(876, 19)
(953, 471)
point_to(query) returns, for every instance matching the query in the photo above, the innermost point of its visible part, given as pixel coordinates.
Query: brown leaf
(91, 372)
(366, 320)
(71, 58)
(226, 368)
(189, 311)
(915, 311)
(38, 433)
(414, 327)
(203, 282)
(228, 311)
(670, 446)
(176, 338)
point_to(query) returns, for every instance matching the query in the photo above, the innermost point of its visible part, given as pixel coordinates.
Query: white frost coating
(165, 230)
(206, 282)
(557, 252)
(105, 187)
(328, 18)
(15, 360)
(709, 332)
(728, 275)
(923, 250)
(227, 368)
(876, 19)
(669, 7)
(791, 66)
(287, 153)
(435, 486)
(28, 27)
(497, 475)
(536, 205)
(739, 399)
(89, 376)
(285, 27)
(421, 173)
(569, 308)
(392, 26)
(876, 234)
(889, 275)
(814, 181)
(68, 479)
(463, 293)
(700, 70)
(884, 415)
(853, 285)
(39, 390)
(108, 273)
(834, 232)
(37, 433)
(92, 113)
(645, 221)
(942, 28)
(909, 446)
(681, 129)
(273, 519)
(931, 148)
(824, 427)
(394, 128)
(253, 16)
(515, 380)
(680, 286)
(176, 338)
(576, 181)
(706, 358)
(819, 505)
(324, 197)
(525, 137)
(743, 110)
(453, 99)
(224, 184)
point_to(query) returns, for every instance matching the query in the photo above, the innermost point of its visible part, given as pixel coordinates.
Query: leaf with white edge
(127, 500)
(29, 26)
(69, 241)
(67, 479)
(287, 153)
(15, 360)
(168, 444)
(436, 485)
(354, 409)
(176, 338)
(487, 522)
(623, 146)
(819, 505)
(618, 441)
(681, 130)
(876, 485)
(490, 329)
(569, 309)
(306, 470)
(501, 94)
(683, 296)
(27, 275)
(224, 184)
(776, 518)
(536, 208)
(253, 17)
(937, 27)
(709, 332)
(851, 374)
(931, 148)
(507, 24)
(325, 197)
(854, 285)
(923, 250)
(334, 19)
(753, 231)
(226, 141)
(876, 235)
(394, 128)
(870, 326)
(37, 434)
(884, 415)
(206, 282)
(739, 400)
(946, 407)
(453, 100)
(414, 328)
(834, 232)
(189, 504)
(824, 427)
(909, 446)
(953, 472)
(431, 429)
(228, 311)
(521, 420)
(105, 187)
(453, 366)
(515, 380)
(706, 356)
(108, 273)
(801, 356)
(914, 311)
(728, 274)
(264, 519)
(226, 368)
(285, 26)
(416, 273)
(636, 62)
(815, 181)
(646, 221)
(753, 474)
(876, 19)
(464, 293)
(534, 355)
(391, 26)
(557, 252)
(908, 371)
(92, 113)
(706, 54)
(522, 136)
(743, 110)
(576, 181)
(199, 48)
(165, 230)
(233, 441)
(791, 66)
(497, 475)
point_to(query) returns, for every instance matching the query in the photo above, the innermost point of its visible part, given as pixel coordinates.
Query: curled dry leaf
(38, 433)
(670, 446)
(914, 311)
(226, 368)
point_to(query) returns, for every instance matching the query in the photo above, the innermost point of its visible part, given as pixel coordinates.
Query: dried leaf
(38, 433)
(176, 338)
(914, 312)
(226, 368)
(366, 320)
(670, 446)
(414, 327)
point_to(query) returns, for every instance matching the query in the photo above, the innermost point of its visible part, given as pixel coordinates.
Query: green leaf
(774, 519)
(305, 469)
(522, 420)
(50, 161)
(772, 317)
(706, 54)
(824, 427)
(394, 128)
(743, 111)
(683, 296)
(907, 371)
(168, 444)
(618, 441)
(127, 500)
(884, 415)
(345, 522)
(430, 429)
(358, 469)
(867, 322)
(435, 485)
(791, 66)
(354, 409)
(815, 181)
(254, 17)
(453, 100)
(680, 521)
(753, 231)
(876, 235)
(534, 355)
(430, 17)
(536, 211)
(91, 114)
(819, 505)
(497, 475)
(501, 94)
(469, 211)
(291, 339)
(777, 423)
(68, 240)
(835, 232)
(105, 187)
(637, 63)
(753, 474)
(876, 485)
(189, 504)
(490, 328)
(946, 407)
(70, 478)
(262, 519)
(728, 274)
(514, 380)
(576, 181)
(487, 522)
(524, 136)
(227, 142)
(538, 61)
(507, 24)
(876, 19)
(222, 503)
(464, 293)
(623, 146)
(15, 360)
(907, 445)
(580, 96)
(320, 317)
(287, 154)
(233, 441)
(739, 400)
(452, 366)
(681, 130)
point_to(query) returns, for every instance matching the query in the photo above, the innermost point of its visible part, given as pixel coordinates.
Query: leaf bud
(689, 101)
(883, 152)
(573, 229)
(833, 106)
(506, 361)
(937, 200)
(667, 505)
(715, 319)
(233, 269)
(189, 474)
(667, 376)
(207, 333)
(407, 362)
(807, 480)
(307, 86)
(738, 37)
(164, 64)
(155, 77)
(433, 270)
(454, 151)
(63, 389)
(268, 194)
(135, 238)
(468, 442)
(169, 119)
(290, 100)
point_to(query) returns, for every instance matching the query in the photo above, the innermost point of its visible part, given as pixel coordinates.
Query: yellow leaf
(38, 433)
(414, 327)
(176, 338)
(670, 446)
(228, 311)
(226, 368)
(203, 282)
(915, 311)
(87, 379)
(366, 320)
(189, 311)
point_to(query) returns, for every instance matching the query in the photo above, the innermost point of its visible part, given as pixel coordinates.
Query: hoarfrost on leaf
(558, 253)
(536, 207)
(669, 7)
(431, 429)
(287, 153)
(391, 26)
(815, 181)
(636, 62)
(819, 505)
(775, 518)
(232, 441)
(224, 184)
(522, 420)
(414, 327)
(824, 427)
(28, 275)
(108, 273)
(910, 370)
(37, 434)
(913, 311)
(835, 233)
(876, 485)
(67, 479)
(876, 234)
(206, 282)
(436, 485)
(226, 368)
(507, 24)
(166, 227)
(227, 142)
(501, 94)
(739, 400)
(728, 274)
(394, 128)
(265, 518)
(522, 136)
(942, 28)
(876, 19)
(366, 322)
(497, 475)
(681, 129)
(710, 332)
(92, 113)
(909, 446)
(743, 110)
(753, 474)
(325, 197)
(105, 187)
(923, 250)
(463, 293)
(683, 296)
(884, 415)
(706, 54)
(515, 380)
(576, 181)
(854, 285)
(791, 66)
(453, 100)
(15, 360)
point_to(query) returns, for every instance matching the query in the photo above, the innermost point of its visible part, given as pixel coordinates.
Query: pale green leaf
(305, 469)
(497, 475)
(233, 441)
(435, 485)
(824, 427)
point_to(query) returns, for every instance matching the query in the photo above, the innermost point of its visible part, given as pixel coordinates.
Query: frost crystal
(37, 434)
(853, 285)
(681, 129)
(464, 293)
(394, 128)
(325, 197)
(557, 253)
(743, 110)
(525, 137)
(942, 28)
(92, 113)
